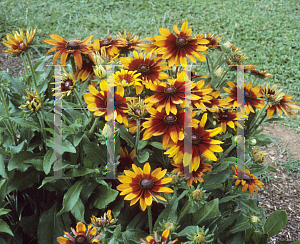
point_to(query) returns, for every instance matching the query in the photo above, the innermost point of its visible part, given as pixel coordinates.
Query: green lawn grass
(266, 30)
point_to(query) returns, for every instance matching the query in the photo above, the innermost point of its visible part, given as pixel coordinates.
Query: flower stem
(93, 126)
(78, 98)
(137, 136)
(183, 212)
(73, 65)
(226, 152)
(207, 64)
(254, 80)
(12, 132)
(32, 71)
(150, 219)
(220, 84)
(42, 125)
(25, 64)
(216, 64)
(252, 125)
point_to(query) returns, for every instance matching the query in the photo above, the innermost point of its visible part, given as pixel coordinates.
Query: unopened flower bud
(253, 142)
(174, 179)
(254, 220)
(104, 131)
(218, 72)
(226, 46)
(199, 237)
(197, 194)
(170, 225)
(99, 71)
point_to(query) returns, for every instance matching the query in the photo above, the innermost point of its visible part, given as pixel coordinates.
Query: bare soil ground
(283, 193)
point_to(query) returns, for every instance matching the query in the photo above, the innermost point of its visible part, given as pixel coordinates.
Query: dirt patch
(283, 192)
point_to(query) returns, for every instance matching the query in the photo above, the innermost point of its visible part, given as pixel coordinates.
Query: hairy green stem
(183, 212)
(12, 131)
(207, 64)
(42, 125)
(93, 126)
(216, 64)
(150, 219)
(25, 64)
(137, 136)
(78, 98)
(31, 68)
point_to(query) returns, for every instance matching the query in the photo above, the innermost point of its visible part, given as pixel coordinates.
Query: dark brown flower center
(144, 69)
(72, 45)
(170, 119)
(195, 139)
(181, 41)
(21, 45)
(225, 117)
(67, 84)
(170, 90)
(146, 184)
(106, 42)
(81, 240)
(247, 96)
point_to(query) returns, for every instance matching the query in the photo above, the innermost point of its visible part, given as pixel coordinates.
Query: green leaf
(104, 196)
(48, 160)
(276, 222)
(17, 149)
(187, 230)
(247, 204)
(272, 169)
(36, 162)
(66, 146)
(71, 196)
(17, 161)
(137, 220)
(125, 135)
(209, 210)
(156, 144)
(142, 157)
(29, 225)
(2, 167)
(4, 211)
(26, 123)
(142, 144)
(51, 226)
(79, 172)
(23, 180)
(77, 139)
(132, 234)
(4, 227)
(94, 152)
(78, 210)
(168, 214)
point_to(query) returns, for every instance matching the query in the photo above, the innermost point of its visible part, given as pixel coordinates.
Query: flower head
(106, 220)
(65, 48)
(34, 101)
(143, 185)
(164, 237)
(126, 160)
(178, 47)
(68, 81)
(248, 181)
(81, 235)
(128, 42)
(18, 42)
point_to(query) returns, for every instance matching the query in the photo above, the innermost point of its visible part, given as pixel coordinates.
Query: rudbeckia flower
(214, 41)
(201, 143)
(227, 117)
(128, 42)
(249, 181)
(74, 47)
(143, 185)
(126, 160)
(34, 101)
(203, 167)
(164, 237)
(170, 126)
(104, 221)
(177, 47)
(68, 81)
(18, 42)
(169, 94)
(150, 69)
(81, 235)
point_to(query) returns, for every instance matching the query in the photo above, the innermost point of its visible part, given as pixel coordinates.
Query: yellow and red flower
(201, 143)
(97, 102)
(125, 160)
(169, 94)
(227, 117)
(150, 69)
(143, 185)
(104, 221)
(214, 41)
(248, 181)
(164, 237)
(74, 47)
(18, 42)
(203, 93)
(170, 126)
(177, 48)
(81, 235)
(189, 176)
(128, 42)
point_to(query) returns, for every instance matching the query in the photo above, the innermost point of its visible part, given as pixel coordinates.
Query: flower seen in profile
(81, 235)
(164, 237)
(75, 47)
(104, 221)
(18, 42)
(34, 101)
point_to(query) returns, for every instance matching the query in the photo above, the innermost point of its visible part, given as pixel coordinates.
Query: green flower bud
(254, 220)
